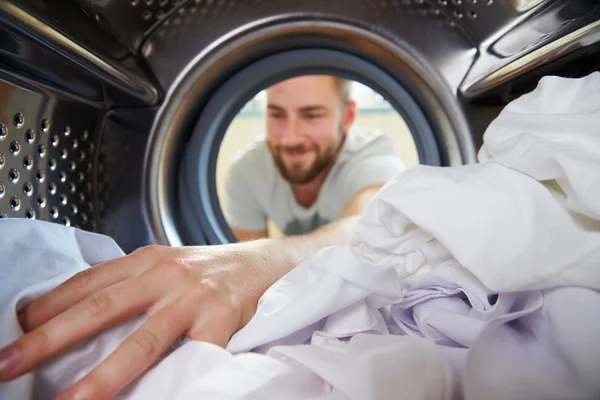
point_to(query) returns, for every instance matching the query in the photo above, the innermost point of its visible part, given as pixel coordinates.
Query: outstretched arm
(207, 293)
(356, 206)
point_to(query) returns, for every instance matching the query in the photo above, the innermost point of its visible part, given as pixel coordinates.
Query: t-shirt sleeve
(371, 171)
(377, 165)
(242, 208)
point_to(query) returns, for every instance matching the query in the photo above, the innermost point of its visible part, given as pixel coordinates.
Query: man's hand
(207, 293)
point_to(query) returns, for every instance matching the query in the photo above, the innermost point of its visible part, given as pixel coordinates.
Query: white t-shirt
(256, 191)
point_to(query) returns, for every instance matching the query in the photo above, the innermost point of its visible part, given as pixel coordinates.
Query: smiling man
(313, 167)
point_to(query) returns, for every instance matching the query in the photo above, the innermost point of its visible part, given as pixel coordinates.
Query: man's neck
(307, 194)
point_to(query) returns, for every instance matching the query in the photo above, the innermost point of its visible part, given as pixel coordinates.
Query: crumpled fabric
(468, 282)
(36, 257)
(471, 248)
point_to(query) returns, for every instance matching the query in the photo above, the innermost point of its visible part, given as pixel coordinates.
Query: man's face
(306, 125)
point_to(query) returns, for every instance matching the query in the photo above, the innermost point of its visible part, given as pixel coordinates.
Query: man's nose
(291, 134)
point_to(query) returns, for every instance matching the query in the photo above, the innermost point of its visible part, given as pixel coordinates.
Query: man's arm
(244, 235)
(358, 204)
(205, 292)
(367, 172)
(241, 207)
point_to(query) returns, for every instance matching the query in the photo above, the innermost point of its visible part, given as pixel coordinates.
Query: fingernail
(9, 359)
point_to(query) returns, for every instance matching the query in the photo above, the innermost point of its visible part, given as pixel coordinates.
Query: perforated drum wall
(47, 150)
(98, 98)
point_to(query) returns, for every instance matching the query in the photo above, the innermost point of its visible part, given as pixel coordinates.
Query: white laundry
(478, 281)
(552, 134)
(552, 354)
(46, 254)
(452, 308)
(36, 257)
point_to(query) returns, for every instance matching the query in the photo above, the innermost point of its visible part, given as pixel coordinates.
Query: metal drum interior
(99, 100)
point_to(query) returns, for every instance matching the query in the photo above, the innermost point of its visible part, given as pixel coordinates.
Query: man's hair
(344, 87)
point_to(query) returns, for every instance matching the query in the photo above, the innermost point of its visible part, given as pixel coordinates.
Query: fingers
(177, 297)
(134, 355)
(99, 311)
(77, 288)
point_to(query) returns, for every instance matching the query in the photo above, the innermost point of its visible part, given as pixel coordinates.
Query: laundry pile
(474, 282)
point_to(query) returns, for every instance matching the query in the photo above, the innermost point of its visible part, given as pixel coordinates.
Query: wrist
(271, 258)
(258, 268)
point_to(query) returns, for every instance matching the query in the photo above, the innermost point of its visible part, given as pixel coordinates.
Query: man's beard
(323, 160)
(294, 174)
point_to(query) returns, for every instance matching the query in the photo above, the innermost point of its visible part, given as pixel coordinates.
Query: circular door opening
(198, 191)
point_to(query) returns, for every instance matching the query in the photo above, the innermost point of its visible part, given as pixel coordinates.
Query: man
(207, 293)
(313, 167)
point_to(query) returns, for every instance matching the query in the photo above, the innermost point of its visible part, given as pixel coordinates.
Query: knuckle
(43, 344)
(150, 250)
(224, 302)
(83, 279)
(210, 288)
(147, 341)
(229, 308)
(98, 304)
(177, 266)
(219, 295)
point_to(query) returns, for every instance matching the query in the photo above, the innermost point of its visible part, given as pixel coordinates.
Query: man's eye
(275, 115)
(313, 116)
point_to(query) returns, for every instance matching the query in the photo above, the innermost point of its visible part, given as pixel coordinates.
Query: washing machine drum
(112, 113)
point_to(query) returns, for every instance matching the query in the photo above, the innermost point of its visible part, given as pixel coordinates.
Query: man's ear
(350, 113)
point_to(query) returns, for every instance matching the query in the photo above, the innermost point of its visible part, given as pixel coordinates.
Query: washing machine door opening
(182, 203)
(202, 179)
